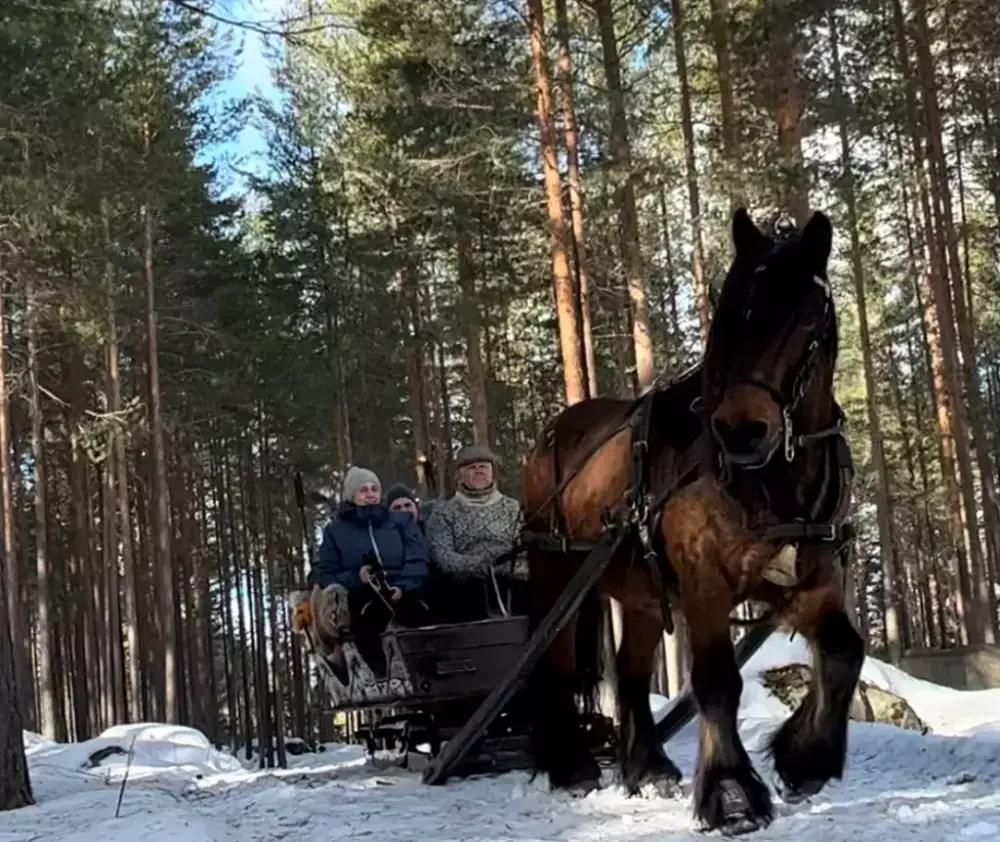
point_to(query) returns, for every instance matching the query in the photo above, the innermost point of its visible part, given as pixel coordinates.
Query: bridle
(789, 440)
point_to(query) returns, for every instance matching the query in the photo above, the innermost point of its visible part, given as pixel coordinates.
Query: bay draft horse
(738, 463)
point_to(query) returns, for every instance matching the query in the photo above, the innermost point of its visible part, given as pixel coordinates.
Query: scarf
(477, 496)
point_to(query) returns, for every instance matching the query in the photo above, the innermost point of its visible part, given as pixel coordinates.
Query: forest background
(464, 214)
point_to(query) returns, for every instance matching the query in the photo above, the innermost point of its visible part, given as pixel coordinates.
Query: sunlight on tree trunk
(786, 101)
(955, 420)
(984, 594)
(564, 66)
(895, 602)
(566, 297)
(635, 273)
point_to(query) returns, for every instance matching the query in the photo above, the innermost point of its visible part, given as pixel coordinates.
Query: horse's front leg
(729, 794)
(810, 747)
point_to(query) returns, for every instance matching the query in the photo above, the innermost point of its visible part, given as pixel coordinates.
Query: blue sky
(246, 149)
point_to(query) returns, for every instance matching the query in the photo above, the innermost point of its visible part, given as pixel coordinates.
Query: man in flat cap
(467, 533)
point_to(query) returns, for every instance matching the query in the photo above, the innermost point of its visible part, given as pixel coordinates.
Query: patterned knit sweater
(465, 534)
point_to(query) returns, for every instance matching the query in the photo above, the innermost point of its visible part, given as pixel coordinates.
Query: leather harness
(640, 509)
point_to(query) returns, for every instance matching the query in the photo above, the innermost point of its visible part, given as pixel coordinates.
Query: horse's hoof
(736, 813)
(658, 787)
(577, 782)
(582, 788)
(798, 794)
(741, 825)
(666, 786)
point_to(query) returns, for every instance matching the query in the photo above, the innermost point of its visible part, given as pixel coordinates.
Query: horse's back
(587, 446)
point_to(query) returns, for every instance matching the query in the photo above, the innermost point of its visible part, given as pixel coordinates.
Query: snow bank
(169, 756)
(154, 746)
(945, 710)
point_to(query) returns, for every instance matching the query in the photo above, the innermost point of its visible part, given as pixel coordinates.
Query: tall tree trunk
(920, 280)
(730, 119)
(621, 155)
(112, 584)
(121, 488)
(472, 327)
(416, 376)
(922, 522)
(786, 102)
(15, 784)
(225, 550)
(570, 345)
(262, 683)
(163, 556)
(52, 720)
(299, 687)
(80, 565)
(564, 67)
(447, 430)
(670, 279)
(697, 247)
(895, 605)
(277, 696)
(982, 591)
(22, 677)
(975, 607)
(202, 487)
(238, 547)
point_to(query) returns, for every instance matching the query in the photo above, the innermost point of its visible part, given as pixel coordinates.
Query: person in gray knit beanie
(361, 487)
(378, 560)
(470, 531)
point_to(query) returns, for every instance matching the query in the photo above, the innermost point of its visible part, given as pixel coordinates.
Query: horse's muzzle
(748, 443)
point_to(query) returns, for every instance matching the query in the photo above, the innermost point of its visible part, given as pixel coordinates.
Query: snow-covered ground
(899, 786)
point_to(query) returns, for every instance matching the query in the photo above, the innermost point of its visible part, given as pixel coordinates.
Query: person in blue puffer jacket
(380, 557)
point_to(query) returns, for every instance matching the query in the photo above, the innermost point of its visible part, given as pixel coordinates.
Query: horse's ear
(817, 239)
(747, 238)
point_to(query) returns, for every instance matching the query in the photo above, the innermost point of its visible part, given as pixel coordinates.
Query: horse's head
(773, 339)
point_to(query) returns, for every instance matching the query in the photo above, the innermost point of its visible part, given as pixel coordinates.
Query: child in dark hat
(403, 499)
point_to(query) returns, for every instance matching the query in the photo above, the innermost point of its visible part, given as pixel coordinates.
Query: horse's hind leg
(642, 759)
(558, 740)
(729, 794)
(810, 747)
